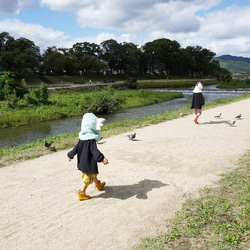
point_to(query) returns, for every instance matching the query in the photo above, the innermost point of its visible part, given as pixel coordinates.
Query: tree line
(159, 58)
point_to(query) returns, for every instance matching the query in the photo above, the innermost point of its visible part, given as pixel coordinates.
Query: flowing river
(28, 133)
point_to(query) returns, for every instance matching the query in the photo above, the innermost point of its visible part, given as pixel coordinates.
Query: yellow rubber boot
(100, 185)
(82, 196)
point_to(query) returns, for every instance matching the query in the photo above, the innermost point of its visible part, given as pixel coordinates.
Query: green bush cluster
(9, 87)
(102, 102)
(17, 95)
(132, 83)
(38, 95)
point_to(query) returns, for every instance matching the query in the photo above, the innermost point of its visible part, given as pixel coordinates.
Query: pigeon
(218, 116)
(47, 144)
(131, 136)
(238, 116)
(231, 123)
(181, 114)
(53, 149)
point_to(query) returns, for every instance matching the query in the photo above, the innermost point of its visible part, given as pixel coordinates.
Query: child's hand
(69, 159)
(105, 161)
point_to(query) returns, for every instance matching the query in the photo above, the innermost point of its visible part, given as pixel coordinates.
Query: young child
(88, 154)
(197, 101)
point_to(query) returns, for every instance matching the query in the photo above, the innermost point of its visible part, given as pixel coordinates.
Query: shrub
(8, 86)
(103, 102)
(132, 83)
(247, 81)
(12, 100)
(38, 95)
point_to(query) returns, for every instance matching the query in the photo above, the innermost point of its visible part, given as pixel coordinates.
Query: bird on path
(218, 116)
(131, 136)
(181, 114)
(238, 116)
(231, 123)
(47, 144)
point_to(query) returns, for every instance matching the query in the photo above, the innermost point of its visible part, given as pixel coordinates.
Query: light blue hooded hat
(90, 126)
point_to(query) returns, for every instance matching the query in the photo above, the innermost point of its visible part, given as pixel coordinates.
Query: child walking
(197, 101)
(88, 154)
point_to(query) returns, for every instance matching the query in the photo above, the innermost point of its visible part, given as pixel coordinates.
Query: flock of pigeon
(238, 117)
(132, 136)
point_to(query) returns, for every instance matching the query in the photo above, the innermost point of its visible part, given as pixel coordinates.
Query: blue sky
(219, 25)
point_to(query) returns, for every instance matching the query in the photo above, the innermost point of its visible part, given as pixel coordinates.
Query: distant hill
(234, 58)
(234, 64)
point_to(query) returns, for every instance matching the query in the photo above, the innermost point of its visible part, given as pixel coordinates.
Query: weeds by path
(218, 219)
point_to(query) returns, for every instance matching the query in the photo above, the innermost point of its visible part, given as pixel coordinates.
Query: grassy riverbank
(60, 142)
(64, 104)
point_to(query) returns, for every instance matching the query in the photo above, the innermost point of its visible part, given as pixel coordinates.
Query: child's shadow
(139, 190)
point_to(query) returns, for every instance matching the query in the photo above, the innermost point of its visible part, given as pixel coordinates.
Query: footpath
(147, 181)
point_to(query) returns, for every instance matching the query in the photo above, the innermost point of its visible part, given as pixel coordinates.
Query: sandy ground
(147, 181)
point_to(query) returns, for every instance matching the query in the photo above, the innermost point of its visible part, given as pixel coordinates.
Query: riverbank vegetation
(235, 84)
(35, 149)
(64, 104)
(173, 84)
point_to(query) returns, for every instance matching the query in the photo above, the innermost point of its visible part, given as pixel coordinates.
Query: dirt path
(147, 180)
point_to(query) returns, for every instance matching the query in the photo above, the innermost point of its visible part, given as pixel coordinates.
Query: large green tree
(20, 56)
(87, 57)
(161, 56)
(130, 59)
(111, 52)
(53, 61)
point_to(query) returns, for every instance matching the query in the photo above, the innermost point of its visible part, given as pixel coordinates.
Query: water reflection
(33, 132)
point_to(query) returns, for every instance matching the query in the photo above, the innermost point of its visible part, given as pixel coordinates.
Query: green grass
(235, 84)
(181, 83)
(218, 219)
(66, 104)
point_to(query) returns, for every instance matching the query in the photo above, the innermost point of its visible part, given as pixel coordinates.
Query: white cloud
(42, 37)
(15, 6)
(189, 22)
(228, 23)
(158, 15)
(67, 5)
(226, 30)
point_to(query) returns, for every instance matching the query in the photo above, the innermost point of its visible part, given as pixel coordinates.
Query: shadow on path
(213, 122)
(139, 190)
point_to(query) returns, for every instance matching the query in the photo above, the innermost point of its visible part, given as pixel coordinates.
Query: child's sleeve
(96, 153)
(73, 152)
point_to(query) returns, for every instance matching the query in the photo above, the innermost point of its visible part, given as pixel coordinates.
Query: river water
(28, 133)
